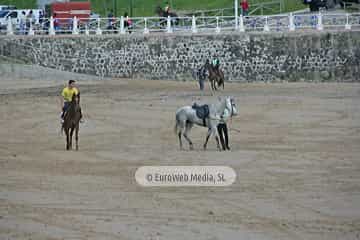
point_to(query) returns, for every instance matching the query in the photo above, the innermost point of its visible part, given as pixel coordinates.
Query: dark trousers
(66, 107)
(223, 134)
(201, 83)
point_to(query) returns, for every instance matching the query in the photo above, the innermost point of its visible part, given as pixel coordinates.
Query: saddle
(202, 111)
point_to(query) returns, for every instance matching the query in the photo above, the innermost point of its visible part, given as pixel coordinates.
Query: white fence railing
(99, 26)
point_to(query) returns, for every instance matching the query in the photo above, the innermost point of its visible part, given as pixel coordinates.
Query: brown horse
(216, 78)
(71, 122)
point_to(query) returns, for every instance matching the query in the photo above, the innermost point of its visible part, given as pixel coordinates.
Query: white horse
(186, 117)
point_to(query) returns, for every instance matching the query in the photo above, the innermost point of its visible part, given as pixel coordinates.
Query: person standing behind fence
(29, 20)
(56, 23)
(41, 17)
(244, 7)
(70, 23)
(167, 9)
(23, 23)
(111, 21)
(127, 22)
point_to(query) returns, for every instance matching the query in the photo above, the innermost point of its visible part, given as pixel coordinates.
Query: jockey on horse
(66, 97)
(216, 66)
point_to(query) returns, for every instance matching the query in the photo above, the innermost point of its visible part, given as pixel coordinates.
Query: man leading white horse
(208, 115)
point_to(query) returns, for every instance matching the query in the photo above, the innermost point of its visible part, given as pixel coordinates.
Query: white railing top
(145, 25)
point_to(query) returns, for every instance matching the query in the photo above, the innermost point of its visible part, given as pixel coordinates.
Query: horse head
(231, 106)
(227, 103)
(75, 100)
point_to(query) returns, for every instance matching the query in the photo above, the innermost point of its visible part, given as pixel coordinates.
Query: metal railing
(275, 6)
(206, 24)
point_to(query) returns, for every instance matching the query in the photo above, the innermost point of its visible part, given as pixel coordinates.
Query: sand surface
(295, 150)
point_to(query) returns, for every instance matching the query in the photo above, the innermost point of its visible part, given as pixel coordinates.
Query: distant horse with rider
(165, 14)
(213, 72)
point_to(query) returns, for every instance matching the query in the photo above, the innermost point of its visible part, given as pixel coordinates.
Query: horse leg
(67, 139)
(217, 142)
(71, 135)
(187, 130)
(77, 137)
(207, 138)
(179, 130)
(221, 130)
(180, 141)
(217, 138)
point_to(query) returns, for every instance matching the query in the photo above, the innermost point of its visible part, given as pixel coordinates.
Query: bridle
(232, 107)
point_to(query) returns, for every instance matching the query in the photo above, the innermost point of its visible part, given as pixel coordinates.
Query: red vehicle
(69, 10)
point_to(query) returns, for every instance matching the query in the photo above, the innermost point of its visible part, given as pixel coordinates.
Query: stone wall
(297, 56)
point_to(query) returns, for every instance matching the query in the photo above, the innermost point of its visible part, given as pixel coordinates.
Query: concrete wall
(9, 71)
(307, 56)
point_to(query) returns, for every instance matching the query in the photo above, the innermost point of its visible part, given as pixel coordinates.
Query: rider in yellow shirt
(66, 97)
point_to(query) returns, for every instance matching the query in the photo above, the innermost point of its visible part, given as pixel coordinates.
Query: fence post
(87, 32)
(98, 30)
(75, 26)
(291, 22)
(217, 25)
(347, 25)
(122, 27)
(169, 30)
(193, 25)
(51, 29)
(320, 26)
(236, 14)
(281, 5)
(9, 27)
(31, 30)
(241, 27)
(266, 26)
(146, 30)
